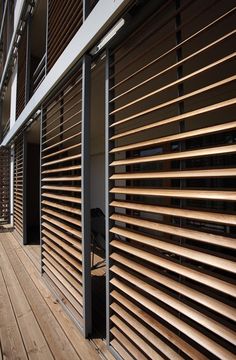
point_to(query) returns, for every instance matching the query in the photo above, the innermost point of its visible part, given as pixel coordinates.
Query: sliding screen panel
(64, 20)
(5, 159)
(21, 74)
(171, 144)
(63, 241)
(18, 209)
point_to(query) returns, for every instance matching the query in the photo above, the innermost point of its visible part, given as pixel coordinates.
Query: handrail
(39, 65)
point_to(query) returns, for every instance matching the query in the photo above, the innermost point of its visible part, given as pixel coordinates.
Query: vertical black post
(25, 195)
(85, 196)
(40, 189)
(108, 196)
(27, 61)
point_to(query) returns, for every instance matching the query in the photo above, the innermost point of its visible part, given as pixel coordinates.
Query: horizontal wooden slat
(62, 178)
(184, 290)
(57, 242)
(61, 142)
(177, 323)
(198, 276)
(74, 242)
(128, 344)
(208, 238)
(186, 213)
(174, 101)
(63, 226)
(49, 246)
(61, 151)
(176, 174)
(62, 216)
(156, 325)
(195, 315)
(66, 168)
(68, 158)
(62, 207)
(64, 269)
(199, 256)
(192, 194)
(62, 188)
(137, 326)
(136, 339)
(63, 198)
(185, 116)
(219, 150)
(176, 82)
(176, 137)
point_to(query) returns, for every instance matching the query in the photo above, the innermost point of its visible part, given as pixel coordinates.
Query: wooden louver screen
(21, 75)
(172, 144)
(18, 186)
(4, 185)
(61, 195)
(64, 20)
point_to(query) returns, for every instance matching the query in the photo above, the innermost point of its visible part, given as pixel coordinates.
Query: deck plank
(11, 345)
(33, 338)
(84, 348)
(57, 341)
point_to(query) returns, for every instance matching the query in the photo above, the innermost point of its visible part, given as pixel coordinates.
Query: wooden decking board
(54, 335)
(11, 344)
(33, 338)
(35, 312)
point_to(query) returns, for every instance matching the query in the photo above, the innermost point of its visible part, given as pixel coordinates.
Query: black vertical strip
(109, 82)
(85, 196)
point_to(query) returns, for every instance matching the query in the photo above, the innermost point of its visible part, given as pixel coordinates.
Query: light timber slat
(64, 178)
(194, 194)
(210, 324)
(62, 188)
(61, 226)
(66, 168)
(190, 273)
(156, 325)
(202, 257)
(192, 214)
(65, 269)
(61, 151)
(63, 281)
(48, 246)
(68, 158)
(188, 233)
(180, 98)
(18, 210)
(181, 325)
(62, 216)
(128, 344)
(197, 296)
(61, 197)
(186, 116)
(62, 207)
(189, 76)
(147, 349)
(69, 249)
(176, 174)
(181, 155)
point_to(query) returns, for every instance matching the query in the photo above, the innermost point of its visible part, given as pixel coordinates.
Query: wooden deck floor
(33, 325)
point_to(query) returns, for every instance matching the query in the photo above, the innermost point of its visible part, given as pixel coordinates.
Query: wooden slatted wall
(21, 75)
(64, 20)
(61, 195)
(18, 186)
(172, 185)
(4, 185)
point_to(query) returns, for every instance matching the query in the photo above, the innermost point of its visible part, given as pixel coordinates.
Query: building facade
(118, 142)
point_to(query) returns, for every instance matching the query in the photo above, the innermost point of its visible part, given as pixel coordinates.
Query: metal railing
(39, 74)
